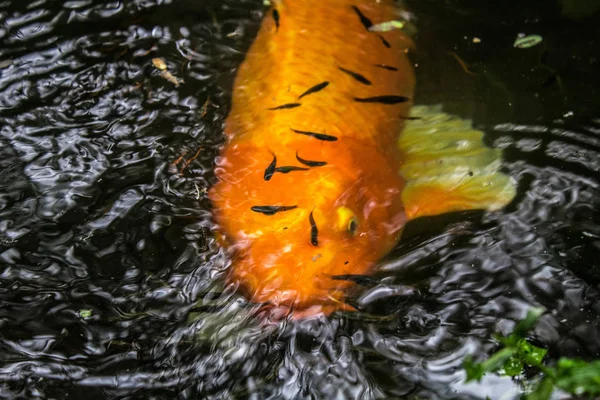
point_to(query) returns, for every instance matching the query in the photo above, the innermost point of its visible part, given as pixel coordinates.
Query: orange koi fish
(315, 181)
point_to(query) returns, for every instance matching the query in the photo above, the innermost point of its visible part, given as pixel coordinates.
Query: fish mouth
(286, 307)
(296, 304)
(280, 286)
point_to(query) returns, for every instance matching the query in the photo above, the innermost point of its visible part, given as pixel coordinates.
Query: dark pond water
(111, 282)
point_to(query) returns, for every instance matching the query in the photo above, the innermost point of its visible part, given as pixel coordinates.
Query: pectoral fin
(447, 166)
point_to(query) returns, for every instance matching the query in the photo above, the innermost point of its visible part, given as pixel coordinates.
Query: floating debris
(85, 313)
(171, 78)
(387, 26)
(161, 65)
(462, 63)
(5, 63)
(524, 42)
(204, 109)
(476, 40)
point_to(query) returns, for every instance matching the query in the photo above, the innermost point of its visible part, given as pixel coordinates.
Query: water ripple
(111, 282)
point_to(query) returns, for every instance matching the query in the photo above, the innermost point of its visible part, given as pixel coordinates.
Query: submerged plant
(574, 376)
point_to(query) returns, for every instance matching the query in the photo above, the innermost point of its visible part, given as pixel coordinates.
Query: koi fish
(315, 179)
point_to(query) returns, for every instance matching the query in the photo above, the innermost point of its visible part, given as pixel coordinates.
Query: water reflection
(104, 167)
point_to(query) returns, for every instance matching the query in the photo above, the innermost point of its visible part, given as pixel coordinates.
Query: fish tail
(447, 167)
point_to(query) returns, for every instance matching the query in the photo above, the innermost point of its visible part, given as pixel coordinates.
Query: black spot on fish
(271, 210)
(270, 170)
(276, 18)
(314, 89)
(310, 163)
(290, 168)
(388, 67)
(363, 20)
(320, 136)
(356, 76)
(385, 42)
(382, 99)
(409, 118)
(314, 232)
(286, 106)
(362, 280)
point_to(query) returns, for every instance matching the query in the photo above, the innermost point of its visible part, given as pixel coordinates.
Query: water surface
(111, 284)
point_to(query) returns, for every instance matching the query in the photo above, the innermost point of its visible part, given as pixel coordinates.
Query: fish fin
(447, 167)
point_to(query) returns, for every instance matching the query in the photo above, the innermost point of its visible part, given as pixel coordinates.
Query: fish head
(298, 239)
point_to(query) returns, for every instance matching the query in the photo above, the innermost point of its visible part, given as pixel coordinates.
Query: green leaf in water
(578, 377)
(474, 370)
(512, 357)
(387, 26)
(85, 313)
(524, 326)
(543, 390)
(532, 355)
(526, 353)
(513, 366)
(524, 42)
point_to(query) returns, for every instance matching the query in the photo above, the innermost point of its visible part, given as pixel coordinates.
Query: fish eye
(353, 225)
(347, 221)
